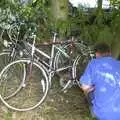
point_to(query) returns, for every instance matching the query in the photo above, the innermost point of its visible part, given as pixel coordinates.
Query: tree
(99, 12)
(59, 15)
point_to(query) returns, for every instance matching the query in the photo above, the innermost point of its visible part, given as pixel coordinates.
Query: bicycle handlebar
(61, 42)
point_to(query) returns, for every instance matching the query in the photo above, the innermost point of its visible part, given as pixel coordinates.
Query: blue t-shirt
(104, 74)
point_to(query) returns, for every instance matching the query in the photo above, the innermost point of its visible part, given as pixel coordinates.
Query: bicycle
(47, 70)
(10, 39)
(21, 81)
(13, 50)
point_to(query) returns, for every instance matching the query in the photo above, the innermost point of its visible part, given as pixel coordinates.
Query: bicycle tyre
(22, 100)
(79, 65)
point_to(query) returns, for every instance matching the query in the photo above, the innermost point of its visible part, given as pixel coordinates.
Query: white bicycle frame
(51, 69)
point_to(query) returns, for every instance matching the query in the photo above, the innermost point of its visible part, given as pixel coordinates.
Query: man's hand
(87, 88)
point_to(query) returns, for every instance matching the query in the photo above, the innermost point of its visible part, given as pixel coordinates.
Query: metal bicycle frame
(51, 70)
(49, 64)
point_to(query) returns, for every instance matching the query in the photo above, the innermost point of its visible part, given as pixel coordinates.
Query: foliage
(106, 30)
(81, 22)
(33, 11)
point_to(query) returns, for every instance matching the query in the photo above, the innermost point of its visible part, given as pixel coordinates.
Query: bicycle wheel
(61, 61)
(13, 32)
(34, 87)
(79, 65)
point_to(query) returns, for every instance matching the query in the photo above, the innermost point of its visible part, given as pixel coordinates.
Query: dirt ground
(68, 105)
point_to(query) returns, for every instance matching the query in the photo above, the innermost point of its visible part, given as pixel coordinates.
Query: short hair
(102, 47)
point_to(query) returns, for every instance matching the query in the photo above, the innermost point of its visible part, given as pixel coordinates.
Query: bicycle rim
(34, 88)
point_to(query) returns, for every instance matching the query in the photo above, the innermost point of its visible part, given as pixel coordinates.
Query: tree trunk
(59, 15)
(99, 3)
(99, 12)
(59, 9)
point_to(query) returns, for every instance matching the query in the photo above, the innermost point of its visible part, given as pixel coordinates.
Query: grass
(71, 105)
(8, 116)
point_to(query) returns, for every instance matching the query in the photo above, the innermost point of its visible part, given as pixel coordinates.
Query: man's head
(102, 49)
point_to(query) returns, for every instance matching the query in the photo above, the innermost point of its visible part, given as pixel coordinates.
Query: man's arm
(87, 79)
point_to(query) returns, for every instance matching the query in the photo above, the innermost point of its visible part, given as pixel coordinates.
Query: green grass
(8, 116)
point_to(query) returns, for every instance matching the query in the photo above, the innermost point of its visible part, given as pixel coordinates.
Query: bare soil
(67, 105)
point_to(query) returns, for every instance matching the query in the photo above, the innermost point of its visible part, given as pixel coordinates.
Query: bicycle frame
(50, 57)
